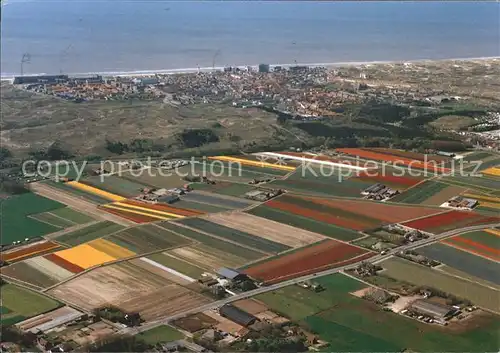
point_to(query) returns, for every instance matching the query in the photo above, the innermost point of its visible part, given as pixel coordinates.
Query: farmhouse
(237, 315)
(439, 312)
(231, 274)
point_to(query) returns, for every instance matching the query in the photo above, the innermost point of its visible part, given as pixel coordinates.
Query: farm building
(237, 315)
(231, 274)
(437, 311)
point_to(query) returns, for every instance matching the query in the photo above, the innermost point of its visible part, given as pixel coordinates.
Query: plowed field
(312, 259)
(261, 227)
(130, 287)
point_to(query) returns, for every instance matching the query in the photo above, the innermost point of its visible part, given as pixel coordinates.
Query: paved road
(376, 258)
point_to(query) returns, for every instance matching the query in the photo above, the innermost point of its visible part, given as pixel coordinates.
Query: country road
(260, 290)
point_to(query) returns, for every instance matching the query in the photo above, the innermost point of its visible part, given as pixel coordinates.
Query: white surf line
(311, 160)
(168, 269)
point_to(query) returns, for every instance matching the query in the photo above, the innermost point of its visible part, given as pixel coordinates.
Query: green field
(159, 178)
(351, 324)
(420, 193)
(298, 303)
(178, 265)
(424, 276)
(160, 334)
(234, 235)
(230, 248)
(360, 326)
(22, 304)
(309, 224)
(115, 185)
(16, 225)
(366, 242)
(230, 189)
(147, 238)
(483, 184)
(72, 215)
(478, 156)
(322, 187)
(198, 206)
(62, 217)
(91, 232)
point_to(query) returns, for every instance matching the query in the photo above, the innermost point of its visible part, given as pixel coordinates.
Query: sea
(91, 36)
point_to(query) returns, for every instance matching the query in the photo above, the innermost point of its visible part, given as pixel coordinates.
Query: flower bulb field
(86, 244)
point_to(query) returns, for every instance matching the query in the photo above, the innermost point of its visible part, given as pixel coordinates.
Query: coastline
(141, 73)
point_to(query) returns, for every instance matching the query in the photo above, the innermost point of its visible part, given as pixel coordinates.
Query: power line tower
(26, 59)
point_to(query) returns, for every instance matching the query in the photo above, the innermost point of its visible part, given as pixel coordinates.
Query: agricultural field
(261, 227)
(19, 304)
(482, 296)
(483, 184)
(494, 171)
(115, 185)
(218, 170)
(450, 220)
(196, 322)
(37, 272)
(201, 207)
(419, 194)
(15, 220)
(234, 235)
(95, 191)
(355, 215)
(143, 212)
(464, 261)
(216, 200)
(389, 177)
(62, 218)
(133, 286)
(177, 264)
(160, 334)
(402, 159)
(322, 256)
(326, 229)
(225, 188)
(147, 238)
(243, 162)
(68, 189)
(93, 253)
(485, 244)
(206, 257)
(159, 178)
(236, 249)
(88, 233)
(453, 271)
(411, 155)
(29, 250)
(322, 186)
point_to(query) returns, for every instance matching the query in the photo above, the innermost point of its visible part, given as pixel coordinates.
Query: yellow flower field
(123, 209)
(85, 256)
(252, 163)
(111, 249)
(494, 232)
(96, 191)
(492, 171)
(148, 210)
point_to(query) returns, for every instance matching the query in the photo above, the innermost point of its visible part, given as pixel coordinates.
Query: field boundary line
(64, 219)
(455, 246)
(465, 279)
(23, 284)
(221, 239)
(41, 221)
(53, 236)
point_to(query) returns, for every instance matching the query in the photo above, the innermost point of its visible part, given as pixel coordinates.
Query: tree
(5, 153)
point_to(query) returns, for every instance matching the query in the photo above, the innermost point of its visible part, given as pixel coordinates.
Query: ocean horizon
(144, 37)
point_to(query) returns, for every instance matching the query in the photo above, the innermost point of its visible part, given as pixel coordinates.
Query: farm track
(76, 203)
(55, 235)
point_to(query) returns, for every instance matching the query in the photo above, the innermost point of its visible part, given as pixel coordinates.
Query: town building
(231, 274)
